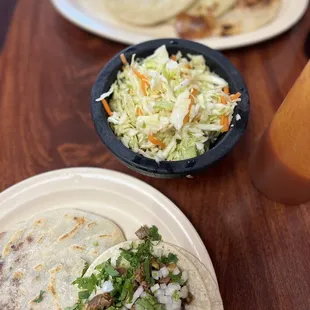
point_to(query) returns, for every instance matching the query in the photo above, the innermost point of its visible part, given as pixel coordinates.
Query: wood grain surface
(260, 249)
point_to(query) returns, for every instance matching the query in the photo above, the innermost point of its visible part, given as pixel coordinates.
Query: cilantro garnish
(111, 271)
(176, 278)
(154, 234)
(87, 283)
(106, 269)
(86, 265)
(84, 294)
(40, 297)
(170, 259)
(126, 287)
(146, 267)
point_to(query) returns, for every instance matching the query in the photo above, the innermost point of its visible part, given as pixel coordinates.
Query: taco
(144, 274)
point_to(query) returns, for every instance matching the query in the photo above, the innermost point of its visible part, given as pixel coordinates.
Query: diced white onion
(163, 286)
(160, 292)
(163, 299)
(107, 287)
(164, 272)
(155, 287)
(155, 274)
(171, 288)
(184, 292)
(169, 291)
(176, 271)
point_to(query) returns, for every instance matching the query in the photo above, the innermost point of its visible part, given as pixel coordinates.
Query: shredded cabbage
(177, 101)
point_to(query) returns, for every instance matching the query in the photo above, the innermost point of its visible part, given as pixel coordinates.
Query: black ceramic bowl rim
(217, 62)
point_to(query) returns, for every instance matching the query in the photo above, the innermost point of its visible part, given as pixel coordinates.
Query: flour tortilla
(48, 252)
(195, 282)
(145, 12)
(211, 285)
(244, 18)
(217, 7)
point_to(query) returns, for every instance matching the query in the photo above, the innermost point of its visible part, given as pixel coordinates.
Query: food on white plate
(245, 16)
(192, 19)
(145, 274)
(169, 107)
(42, 256)
(145, 12)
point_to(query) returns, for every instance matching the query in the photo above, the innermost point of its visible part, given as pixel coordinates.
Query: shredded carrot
(106, 107)
(139, 111)
(139, 75)
(124, 60)
(188, 66)
(223, 100)
(235, 96)
(123, 67)
(186, 118)
(144, 87)
(144, 80)
(226, 90)
(192, 98)
(173, 57)
(193, 94)
(156, 141)
(225, 123)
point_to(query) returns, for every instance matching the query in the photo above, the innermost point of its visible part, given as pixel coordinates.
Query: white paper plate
(127, 201)
(92, 16)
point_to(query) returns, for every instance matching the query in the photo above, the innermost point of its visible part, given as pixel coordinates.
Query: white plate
(92, 16)
(127, 201)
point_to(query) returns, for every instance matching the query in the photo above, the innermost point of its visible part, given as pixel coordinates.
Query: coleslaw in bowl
(169, 107)
(169, 102)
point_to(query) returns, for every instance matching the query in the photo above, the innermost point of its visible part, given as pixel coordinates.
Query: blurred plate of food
(220, 24)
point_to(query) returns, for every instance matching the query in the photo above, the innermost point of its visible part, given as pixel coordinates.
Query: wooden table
(260, 249)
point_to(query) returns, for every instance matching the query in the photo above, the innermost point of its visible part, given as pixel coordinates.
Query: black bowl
(169, 169)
